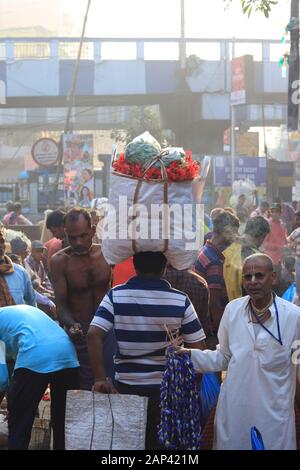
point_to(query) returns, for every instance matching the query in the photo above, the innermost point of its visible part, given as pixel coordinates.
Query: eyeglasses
(257, 276)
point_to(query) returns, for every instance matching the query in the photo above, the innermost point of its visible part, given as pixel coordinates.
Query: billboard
(78, 154)
(253, 168)
(241, 79)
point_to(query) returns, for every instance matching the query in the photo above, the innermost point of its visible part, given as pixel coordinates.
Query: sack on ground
(98, 421)
(41, 432)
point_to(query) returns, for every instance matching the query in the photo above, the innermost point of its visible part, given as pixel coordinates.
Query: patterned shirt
(210, 266)
(39, 270)
(138, 311)
(195, 287)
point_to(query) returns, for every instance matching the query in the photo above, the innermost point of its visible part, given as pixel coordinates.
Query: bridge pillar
(266, 51)
(227, 67)
(33, 193)
(140, 50)
(54, 50)
(9, 50)
(97, 52)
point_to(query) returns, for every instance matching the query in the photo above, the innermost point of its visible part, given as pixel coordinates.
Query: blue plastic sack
(256, 439)
(4, 380)
(209, 393)
(289, 294)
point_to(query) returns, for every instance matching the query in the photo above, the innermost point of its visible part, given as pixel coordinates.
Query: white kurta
(259, 387)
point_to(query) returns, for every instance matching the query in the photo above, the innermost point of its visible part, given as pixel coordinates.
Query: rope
(94, 422)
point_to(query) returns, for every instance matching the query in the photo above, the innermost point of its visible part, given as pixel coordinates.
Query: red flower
(176, 171)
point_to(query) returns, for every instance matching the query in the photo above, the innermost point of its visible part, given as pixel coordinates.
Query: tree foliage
(141, 119)
(263, 6)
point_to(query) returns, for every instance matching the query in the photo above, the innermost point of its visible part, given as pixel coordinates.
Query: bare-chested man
(81, 277)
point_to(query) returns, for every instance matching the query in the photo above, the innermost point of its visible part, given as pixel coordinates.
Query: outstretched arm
(213, 361)
(61, 295)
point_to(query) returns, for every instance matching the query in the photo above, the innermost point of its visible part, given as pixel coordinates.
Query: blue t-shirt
(37, 342)
(20, 287)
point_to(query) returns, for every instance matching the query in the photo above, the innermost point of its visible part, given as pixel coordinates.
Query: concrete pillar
(140, 50)
(54, 50)
(97, 52)
(33, 196)
(223, 62)
(9, 50)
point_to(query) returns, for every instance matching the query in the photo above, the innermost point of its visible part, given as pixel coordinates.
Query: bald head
(259, 278)
(261, 259)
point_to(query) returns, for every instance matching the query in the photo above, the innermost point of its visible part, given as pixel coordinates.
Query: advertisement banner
(78, 152)
(242, 79)
(253, 168)
(238, 80)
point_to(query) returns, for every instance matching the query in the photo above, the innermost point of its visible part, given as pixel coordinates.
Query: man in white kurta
(259, 388)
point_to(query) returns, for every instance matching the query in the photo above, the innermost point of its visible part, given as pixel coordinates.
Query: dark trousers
(26, 390)
(153, 411)
(86, 374)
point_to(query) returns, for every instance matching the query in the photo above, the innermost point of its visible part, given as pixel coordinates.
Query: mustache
(80, 250)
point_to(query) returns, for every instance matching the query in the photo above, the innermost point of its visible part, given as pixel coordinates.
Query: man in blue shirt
(44, 355)
(15, 285)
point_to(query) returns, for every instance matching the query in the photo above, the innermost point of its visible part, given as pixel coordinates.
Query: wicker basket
(40, 434)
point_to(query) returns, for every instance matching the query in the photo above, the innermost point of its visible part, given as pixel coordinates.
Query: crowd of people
(102, 327)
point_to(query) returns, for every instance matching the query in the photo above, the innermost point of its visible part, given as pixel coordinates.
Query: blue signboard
(253, 168)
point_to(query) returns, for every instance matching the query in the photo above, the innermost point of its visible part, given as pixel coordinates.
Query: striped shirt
(139, 311)
(209, 265)
(295, 238)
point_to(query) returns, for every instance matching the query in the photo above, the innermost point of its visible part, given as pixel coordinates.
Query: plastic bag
(290, 293)
(41, 432)
(99, 421)
(256, 439)
(209, 393)
(4, 379)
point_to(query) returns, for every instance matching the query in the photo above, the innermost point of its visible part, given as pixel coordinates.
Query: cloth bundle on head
(18, 245)
(46, 235)
(154, 204)
(99, 204)
(11, 234)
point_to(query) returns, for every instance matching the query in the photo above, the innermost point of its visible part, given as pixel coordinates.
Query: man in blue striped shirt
(139, 311)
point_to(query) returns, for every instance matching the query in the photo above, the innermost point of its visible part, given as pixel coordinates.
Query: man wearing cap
(35, 263)
(19, 247)
(15, 285)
